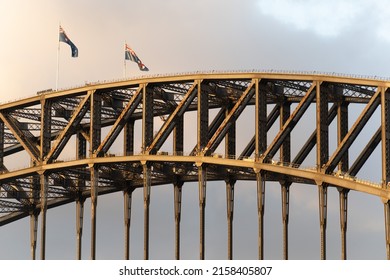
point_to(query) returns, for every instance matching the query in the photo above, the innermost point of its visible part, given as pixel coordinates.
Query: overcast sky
(346, 36)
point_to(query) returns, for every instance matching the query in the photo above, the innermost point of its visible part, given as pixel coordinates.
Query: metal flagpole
(58, 60)
(124, 64)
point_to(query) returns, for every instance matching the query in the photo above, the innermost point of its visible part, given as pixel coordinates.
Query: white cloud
(325, 18)
(382, 14)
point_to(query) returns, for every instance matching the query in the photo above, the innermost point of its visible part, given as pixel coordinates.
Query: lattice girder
(66, 137)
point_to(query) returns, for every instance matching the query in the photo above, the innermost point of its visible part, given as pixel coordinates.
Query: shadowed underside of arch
(67, 146)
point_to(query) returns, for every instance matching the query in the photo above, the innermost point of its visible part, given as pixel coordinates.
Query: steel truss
(91, 119)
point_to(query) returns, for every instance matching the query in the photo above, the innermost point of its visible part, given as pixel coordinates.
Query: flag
(64, 38)
(130, 55)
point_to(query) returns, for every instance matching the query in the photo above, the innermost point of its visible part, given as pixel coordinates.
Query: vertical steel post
(230, 152)
(177, 188)
(342, 130)
(94, 171)
(147, 138)
(202, 120)
(343, 197)
(178, 147)
(45, 144)
(178, 136)
(2, 136)
(285, 156)
(322, 157)
(127, 198)
(147, 118)
(44, 189)
(260, 179)
(2, 139)
(385, 121)
(202, 140)
(81, 149)
(202, 179)
(260, 147)
(387, 228)
(128, 141)
(147, 185)
(230, 137)
(260, 121)
(34, 198)
(79, 225)
(323, 198)
(285, 187)
(33, 233)
(230, 210)
(96, 119)
(128, 149)
(34, 214)
(95, 138)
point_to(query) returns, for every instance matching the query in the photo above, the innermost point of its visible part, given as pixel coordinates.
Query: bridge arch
(123, 135)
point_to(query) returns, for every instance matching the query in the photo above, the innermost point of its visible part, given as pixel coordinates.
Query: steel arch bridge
(148, 114)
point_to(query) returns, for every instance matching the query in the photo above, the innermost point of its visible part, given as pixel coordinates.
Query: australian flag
(64, 38)
(130, 55)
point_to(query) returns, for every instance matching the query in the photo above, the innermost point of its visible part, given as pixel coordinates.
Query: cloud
(382, 13)
(325, 18)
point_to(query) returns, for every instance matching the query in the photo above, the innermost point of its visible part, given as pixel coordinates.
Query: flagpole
(124, 64)
(58, 62)
(124, 69)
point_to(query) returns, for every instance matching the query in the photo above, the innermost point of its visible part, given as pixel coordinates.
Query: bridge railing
(209, 72)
